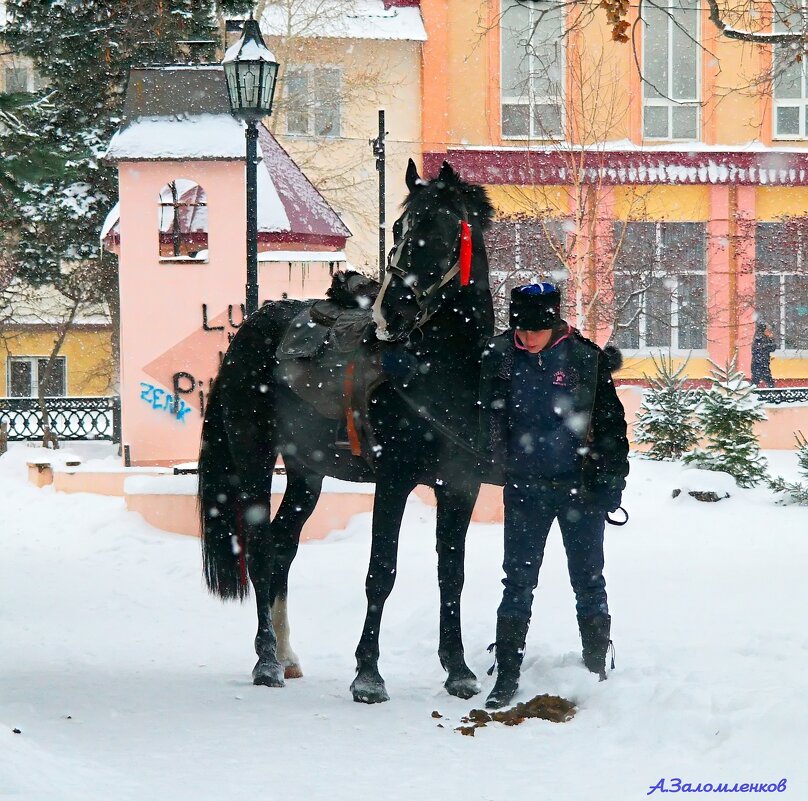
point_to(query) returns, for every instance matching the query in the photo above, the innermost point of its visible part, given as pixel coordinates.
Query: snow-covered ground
(128, 682)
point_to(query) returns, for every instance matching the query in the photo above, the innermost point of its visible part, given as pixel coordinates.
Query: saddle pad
(303, 339)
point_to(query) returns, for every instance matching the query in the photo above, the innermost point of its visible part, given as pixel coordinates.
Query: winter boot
(595, 640)
(510, 645)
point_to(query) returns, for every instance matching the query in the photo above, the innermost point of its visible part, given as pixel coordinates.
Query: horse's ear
(413, 179)
(447, 172)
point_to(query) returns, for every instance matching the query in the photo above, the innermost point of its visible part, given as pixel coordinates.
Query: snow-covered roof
(45, 305)
(182, 137)
(563, 164)
(347, 19)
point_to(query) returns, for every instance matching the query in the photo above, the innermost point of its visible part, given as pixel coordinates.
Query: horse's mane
(449, 189)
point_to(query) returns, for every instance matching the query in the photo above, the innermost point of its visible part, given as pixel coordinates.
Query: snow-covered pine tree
(727, 414)
(82, 51)
(665, 420)
(36, 162)
(796, 491)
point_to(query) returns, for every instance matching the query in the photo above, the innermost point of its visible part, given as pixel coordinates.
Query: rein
(442, 428)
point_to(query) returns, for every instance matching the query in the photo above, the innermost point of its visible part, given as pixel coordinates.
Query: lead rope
(611, 647)
(492, 649)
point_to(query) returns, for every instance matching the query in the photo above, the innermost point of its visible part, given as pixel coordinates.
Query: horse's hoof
(462, 686)
(292, 671)
(268, 674)
(369, 690)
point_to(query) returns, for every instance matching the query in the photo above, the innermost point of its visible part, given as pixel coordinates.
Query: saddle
(329, 359)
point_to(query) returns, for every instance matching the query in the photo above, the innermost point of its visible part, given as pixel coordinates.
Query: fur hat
(535, 307)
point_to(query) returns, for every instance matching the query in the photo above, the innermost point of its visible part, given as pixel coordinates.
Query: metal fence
(70, 418)
(779, 395)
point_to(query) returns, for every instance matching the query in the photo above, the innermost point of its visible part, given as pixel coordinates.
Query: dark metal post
(252, 217)
(379, 152)
(116, 419)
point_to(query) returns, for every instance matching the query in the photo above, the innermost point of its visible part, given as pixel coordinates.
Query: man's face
(534, 341)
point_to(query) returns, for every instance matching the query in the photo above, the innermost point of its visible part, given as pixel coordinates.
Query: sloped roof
(306, 208)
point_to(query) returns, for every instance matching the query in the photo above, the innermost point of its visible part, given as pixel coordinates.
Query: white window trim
(671, 104)
(34, 360)
(799, 103)
(533, 100)
(310, 134)
(789, 353)
(645, 349)
(802, 269)
(651, 350)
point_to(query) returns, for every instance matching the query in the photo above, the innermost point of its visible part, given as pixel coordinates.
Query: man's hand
(607, 496)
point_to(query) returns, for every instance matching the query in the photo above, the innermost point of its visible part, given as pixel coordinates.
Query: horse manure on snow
(546, 707)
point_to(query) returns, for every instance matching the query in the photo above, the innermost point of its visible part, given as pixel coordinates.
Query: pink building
(179, 231)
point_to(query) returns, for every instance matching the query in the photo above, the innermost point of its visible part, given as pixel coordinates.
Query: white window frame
(800, 271)
(643, 348)
(801, 102)
(664, 102)
(781, 350)
(308, 70)
(34, 361)
(532, 99)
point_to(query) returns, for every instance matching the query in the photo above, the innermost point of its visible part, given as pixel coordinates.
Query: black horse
(436, 307)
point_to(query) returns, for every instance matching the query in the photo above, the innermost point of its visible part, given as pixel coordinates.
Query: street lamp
(251, 73)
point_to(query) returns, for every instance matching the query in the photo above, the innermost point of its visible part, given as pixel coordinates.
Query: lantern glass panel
(231, 75)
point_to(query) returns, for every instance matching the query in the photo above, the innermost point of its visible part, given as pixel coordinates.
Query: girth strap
(347, 399)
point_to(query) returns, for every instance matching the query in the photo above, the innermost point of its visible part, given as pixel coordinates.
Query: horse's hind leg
(455, 505)
(302, 492)
(268, 670)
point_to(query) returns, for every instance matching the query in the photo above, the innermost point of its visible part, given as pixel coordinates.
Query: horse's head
(432, 257)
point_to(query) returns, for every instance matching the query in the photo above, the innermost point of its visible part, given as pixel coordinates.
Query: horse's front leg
(388, 509)
(302, 492)
(455, 504)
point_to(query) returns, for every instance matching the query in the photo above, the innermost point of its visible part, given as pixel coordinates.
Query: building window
(17, 79)
(788, 69)
(183, 221)
(313, 101)
(660, 286)
(27, 373)
(781, 281)
(532, 64)
(523, 250)
(671, 57)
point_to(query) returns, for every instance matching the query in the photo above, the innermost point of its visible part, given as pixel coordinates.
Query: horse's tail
(223, 542)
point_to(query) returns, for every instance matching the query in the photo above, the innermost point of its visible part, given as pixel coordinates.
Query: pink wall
(164, 330)
(719, 298)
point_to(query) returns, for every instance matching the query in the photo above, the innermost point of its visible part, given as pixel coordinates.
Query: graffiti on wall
(188, 368)
(160, 400)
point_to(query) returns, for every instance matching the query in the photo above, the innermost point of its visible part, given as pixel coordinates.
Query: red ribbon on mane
(465, 253)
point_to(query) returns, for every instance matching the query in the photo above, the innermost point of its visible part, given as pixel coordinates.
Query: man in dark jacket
(555, 430)
(763, 345)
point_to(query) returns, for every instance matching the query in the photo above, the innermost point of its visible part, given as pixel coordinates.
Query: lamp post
(251, 73)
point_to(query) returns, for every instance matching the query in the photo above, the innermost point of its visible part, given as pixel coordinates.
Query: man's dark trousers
(530, 509)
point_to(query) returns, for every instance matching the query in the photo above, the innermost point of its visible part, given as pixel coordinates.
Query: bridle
(425, 298)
